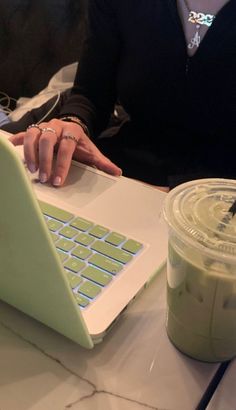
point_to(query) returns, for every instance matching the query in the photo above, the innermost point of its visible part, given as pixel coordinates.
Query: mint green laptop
(74, 257)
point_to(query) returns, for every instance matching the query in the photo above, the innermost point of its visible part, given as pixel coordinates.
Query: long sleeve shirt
(135, 53)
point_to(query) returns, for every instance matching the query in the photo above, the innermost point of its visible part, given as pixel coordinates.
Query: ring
(69, 137)
(34, 126)
(48, 129)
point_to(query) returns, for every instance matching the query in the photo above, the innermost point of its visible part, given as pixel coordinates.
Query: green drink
(201, 270)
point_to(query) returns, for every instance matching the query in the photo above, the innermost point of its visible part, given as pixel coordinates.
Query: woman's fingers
(39, 145)
(64, 156)
(31, 139)
(47, 141)
(106, 165)
(87, 153)
(17, 139)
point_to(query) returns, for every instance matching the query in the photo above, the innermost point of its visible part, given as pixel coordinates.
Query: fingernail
(32, 167)
(120, 172)
(43, 177)
(57, 181)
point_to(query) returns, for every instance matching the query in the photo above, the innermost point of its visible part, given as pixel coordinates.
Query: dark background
(37, 38)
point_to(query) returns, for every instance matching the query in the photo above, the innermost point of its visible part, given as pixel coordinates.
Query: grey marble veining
(135, 367)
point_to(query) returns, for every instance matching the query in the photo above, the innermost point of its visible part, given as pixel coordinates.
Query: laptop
(74, 257)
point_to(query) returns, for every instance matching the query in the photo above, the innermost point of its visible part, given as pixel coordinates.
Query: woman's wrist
(76, 120)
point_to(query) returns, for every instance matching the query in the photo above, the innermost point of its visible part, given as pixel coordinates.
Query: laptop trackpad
(82, 186)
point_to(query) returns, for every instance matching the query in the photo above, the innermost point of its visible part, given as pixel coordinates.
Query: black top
(182, 109)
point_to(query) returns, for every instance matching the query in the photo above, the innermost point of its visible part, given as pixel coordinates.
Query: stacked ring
(48, 129)
(69, 137)
(42, 129)
(34, 126)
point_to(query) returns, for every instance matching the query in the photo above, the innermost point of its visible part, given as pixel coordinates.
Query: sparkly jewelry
(69, 137)
(48, 129)
(34, 126)
(199, 19)
(76, 120)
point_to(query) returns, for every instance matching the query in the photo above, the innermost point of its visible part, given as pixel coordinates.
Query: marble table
(135, 368)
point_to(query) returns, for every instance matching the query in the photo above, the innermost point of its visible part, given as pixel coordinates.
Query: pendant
(201, 18)
(195, 41)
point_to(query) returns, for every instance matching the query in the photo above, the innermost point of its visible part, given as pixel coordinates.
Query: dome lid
(202, 213)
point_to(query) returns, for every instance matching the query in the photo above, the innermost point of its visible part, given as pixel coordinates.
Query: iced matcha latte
(201, 270)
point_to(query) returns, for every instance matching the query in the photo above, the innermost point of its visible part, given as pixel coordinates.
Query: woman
(171, 64)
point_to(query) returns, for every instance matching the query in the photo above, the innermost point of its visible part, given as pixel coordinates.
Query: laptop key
(62, 255)
(81, 252)
(81, 224)
(55, 212)
(84, 239)
(96, 275)
(89, 289)
(132, 246)
(98, 231)
(115, 238)
(65, 245)
(74, 280)
(54, 225)
(83, 302)
(54, 236)
(111, 251)
(68, 232)
(74, 264)
(105, 263)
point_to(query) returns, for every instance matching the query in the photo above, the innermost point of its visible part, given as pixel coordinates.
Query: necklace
(199, 19)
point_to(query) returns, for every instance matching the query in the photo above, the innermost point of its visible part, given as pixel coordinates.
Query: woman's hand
(39, 144)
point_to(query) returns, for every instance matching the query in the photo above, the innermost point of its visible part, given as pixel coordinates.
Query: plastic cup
(201, 269)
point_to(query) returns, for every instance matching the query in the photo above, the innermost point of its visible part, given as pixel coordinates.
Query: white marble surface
(135, 368)
(225, 395)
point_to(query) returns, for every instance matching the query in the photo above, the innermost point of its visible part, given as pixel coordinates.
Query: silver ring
(34, 126)
(48, 129)
(69, 137)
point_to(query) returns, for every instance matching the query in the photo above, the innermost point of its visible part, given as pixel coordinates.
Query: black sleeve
(94, 92)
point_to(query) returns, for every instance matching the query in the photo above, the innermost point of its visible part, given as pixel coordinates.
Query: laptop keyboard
(92, 255)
